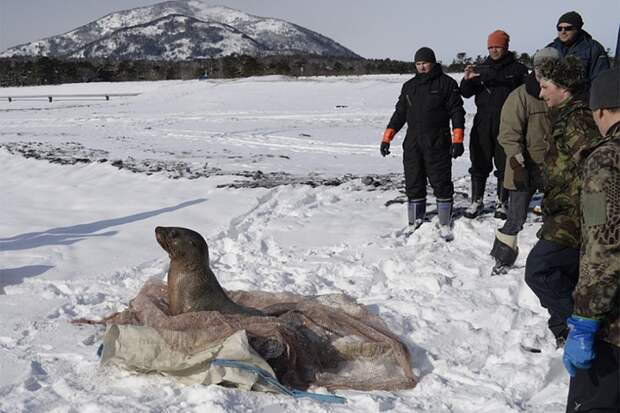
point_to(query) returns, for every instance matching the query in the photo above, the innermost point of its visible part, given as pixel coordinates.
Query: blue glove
(579, 347)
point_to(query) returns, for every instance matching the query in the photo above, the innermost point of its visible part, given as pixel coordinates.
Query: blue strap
(265, 375)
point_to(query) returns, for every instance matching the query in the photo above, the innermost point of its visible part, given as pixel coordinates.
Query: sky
(374, 29)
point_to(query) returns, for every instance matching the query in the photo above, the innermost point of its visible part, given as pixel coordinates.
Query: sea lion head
(183, 243)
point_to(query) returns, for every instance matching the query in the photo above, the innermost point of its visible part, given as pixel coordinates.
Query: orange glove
(388, 135)
(458, 135)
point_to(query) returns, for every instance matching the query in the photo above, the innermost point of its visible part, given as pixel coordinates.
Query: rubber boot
(416, 211)
(505, 252)
(477, 195)
(444, 211)
(501, 205)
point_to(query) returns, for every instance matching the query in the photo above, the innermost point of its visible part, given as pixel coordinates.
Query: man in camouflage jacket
(592, 350)
(552, 267)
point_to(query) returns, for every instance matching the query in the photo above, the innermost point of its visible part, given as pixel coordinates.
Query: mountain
(173, 37)
(179, 30)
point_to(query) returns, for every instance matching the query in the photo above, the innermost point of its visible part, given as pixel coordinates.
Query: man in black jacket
(573, 40)
(427, 103)
(491, 83)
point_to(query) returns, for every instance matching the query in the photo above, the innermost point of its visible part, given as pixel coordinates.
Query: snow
(77, 240)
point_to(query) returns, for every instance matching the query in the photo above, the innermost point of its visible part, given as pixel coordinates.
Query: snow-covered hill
(182, 29)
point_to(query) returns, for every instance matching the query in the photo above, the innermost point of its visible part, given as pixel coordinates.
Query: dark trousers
(519, 202)
(597, 389)
(484, 148)
(518, 205)
(428, 159)
(552, 271)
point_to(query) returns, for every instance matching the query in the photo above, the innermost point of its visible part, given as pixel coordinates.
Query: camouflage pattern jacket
(597, 294)
(572, 131)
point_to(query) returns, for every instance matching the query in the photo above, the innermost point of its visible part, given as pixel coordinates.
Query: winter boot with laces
(416, 212)
(477, 194)
(501, 211)
(501, 205)
(444, 211)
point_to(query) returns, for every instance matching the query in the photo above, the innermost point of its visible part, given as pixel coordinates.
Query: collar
(505, 60)
(613, 131)
(435, 72)
(532, 87)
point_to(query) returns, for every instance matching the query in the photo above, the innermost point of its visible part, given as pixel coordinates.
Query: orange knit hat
(498, 38)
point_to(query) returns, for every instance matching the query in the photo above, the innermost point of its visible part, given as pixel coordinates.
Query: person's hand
(519, 172)
(385, 148)
(388, 135)
(579, 346)
(456, 150)
(470, 72)
(458, 136)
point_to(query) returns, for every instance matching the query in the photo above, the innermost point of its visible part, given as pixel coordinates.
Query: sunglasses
(565, 28)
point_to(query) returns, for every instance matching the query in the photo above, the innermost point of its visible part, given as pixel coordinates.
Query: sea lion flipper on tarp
(192, 286)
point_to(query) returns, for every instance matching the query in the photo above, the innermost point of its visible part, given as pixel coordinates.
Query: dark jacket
(427, 103)
(497, 79)
(591, 53)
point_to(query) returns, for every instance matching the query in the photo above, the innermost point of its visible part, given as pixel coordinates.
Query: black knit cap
(425, 54)
(573, 18)
(605, 90)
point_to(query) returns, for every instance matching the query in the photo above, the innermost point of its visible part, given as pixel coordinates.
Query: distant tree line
(461, 60)
(29, 71)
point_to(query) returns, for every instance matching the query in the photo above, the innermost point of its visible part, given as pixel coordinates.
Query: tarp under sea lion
(328, 341)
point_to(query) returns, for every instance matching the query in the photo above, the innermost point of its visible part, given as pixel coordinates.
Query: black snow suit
(497, 79)
(427, 103)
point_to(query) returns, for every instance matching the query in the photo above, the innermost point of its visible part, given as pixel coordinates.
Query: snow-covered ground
(84, 184)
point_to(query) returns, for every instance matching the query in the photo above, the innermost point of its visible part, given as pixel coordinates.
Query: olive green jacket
(523, 126)
(572, 131)
(597, 294)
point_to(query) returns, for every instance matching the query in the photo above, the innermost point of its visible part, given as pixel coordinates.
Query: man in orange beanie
(491, 83)
(427, 103)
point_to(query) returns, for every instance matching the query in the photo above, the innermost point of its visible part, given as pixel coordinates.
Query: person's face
(423, 67)
(566, 32)
(496, 53)
(552, 94)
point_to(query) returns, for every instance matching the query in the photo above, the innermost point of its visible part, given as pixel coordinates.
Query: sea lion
(192, 286)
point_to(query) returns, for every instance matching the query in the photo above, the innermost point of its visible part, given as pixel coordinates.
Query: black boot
(505, 252)
(501, 205)
(477, 195)
(416, 211)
